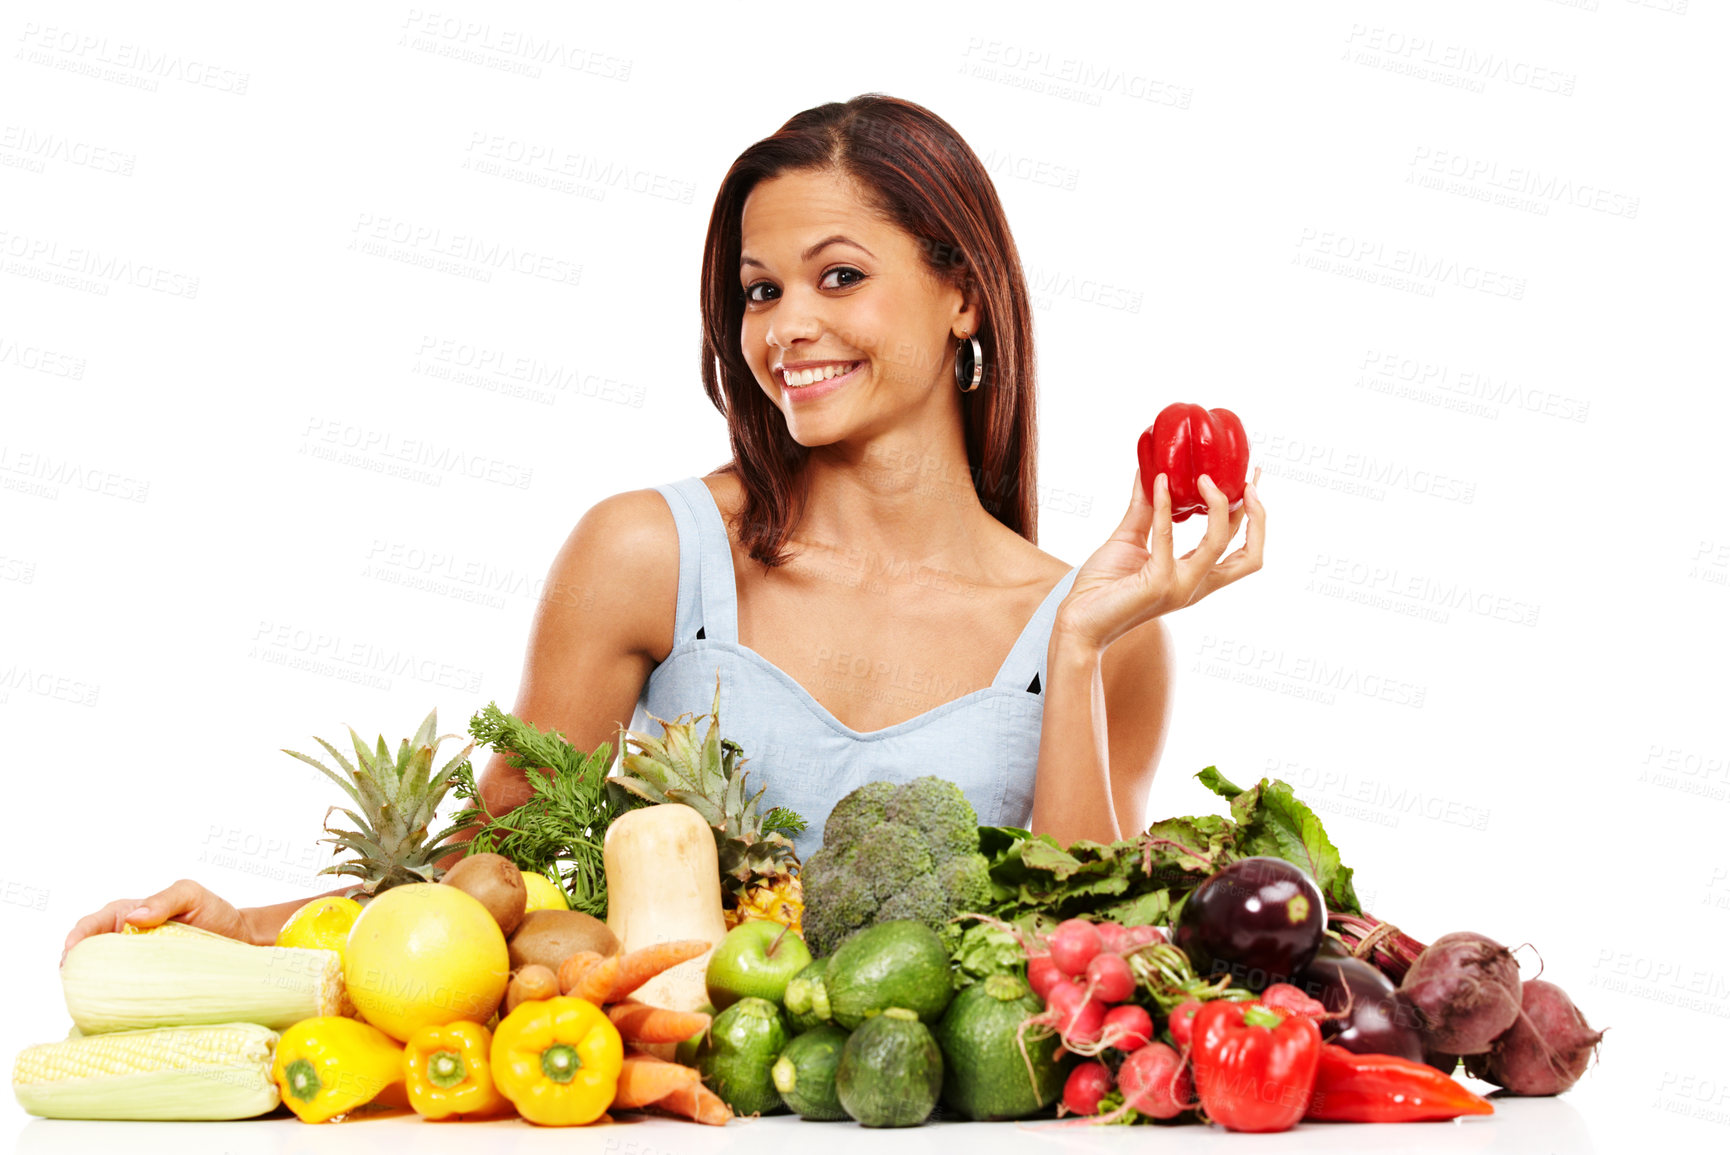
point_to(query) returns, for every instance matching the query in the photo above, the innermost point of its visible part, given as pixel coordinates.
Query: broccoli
(891, 851)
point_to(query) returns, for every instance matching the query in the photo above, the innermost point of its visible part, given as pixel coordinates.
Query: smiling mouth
(803, 378)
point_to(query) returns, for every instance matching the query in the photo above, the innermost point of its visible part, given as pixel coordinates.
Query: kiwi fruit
(549, 937)
(497, 883)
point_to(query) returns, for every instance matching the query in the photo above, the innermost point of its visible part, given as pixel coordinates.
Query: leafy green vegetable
(1273, 822)
(559, 829)
(1140, 880)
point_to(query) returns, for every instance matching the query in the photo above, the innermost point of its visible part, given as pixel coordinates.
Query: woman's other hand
(185, 901)
(1127, 582)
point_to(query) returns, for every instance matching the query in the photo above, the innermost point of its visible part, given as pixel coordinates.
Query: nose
(794, 318)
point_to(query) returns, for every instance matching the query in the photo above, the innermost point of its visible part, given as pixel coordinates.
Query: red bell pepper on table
(1353, 1088)
(1186, 441)
(1254, 1067)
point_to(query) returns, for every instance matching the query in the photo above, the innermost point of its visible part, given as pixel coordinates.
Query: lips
(820, 388)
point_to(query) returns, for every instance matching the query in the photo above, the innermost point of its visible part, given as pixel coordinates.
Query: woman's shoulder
(620, 563)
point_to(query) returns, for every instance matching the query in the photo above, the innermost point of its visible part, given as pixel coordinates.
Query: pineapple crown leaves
(397, 799)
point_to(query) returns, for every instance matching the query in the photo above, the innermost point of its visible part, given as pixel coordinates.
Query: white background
(1487, 644)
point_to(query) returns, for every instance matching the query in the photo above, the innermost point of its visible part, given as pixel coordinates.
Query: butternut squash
(663, 885)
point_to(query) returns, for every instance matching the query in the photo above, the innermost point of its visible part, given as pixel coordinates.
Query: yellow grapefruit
(543, 895)
(422, 955)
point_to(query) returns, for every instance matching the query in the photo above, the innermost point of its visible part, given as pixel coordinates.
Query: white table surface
(1577, 1122)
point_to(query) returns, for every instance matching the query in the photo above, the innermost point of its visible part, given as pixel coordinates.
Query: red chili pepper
(1386, 1089)
(1186, 441)
(1254, 1068)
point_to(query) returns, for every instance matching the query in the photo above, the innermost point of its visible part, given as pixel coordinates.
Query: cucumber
(890, 1071)
(736, 1059)
(806, 1001)
(988, 1077)
(899, 963)
(805, 1073)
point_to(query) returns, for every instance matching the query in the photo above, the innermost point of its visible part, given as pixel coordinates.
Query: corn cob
(176, 975)
(205, 1072)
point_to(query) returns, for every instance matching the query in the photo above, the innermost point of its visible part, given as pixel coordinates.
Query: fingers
(1139, 517)
(1195, 564)
(1248, 559)
(105, 921)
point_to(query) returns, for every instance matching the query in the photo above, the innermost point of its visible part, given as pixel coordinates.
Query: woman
(863, 576)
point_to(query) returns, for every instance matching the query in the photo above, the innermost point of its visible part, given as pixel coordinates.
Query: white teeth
(801, 377)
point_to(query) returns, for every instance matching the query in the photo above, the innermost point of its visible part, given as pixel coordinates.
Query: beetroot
(1466, 989)
(1546, 1050)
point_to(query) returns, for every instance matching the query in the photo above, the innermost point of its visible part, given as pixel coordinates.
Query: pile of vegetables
(1213, 968)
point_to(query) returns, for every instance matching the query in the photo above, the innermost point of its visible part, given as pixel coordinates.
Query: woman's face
(864, 311)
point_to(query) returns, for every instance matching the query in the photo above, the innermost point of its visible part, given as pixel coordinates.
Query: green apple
(758, 958)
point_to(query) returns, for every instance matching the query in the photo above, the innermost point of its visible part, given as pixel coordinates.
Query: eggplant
(1259, 920)
(1378, 1018)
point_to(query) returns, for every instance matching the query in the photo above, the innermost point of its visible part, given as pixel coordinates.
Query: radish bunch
(1086, 976)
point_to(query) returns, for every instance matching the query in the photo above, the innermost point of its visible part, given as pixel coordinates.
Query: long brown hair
(924, 177)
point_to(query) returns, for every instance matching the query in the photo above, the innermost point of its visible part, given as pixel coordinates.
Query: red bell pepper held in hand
(1186, 441)
(1386, 1089)
(1254, 1068)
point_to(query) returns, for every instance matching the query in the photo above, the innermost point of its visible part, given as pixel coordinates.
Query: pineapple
(397, 800)
(759, 871)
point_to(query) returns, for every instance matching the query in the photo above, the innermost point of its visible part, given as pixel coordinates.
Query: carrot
(572, 970)
(644, 1079)
(696, 1101)
(643, 1024)
(594, 984)
(644, 963)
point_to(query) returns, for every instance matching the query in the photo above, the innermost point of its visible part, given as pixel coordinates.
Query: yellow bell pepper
(330, 1065)
(558, 1060)
(449, 1071)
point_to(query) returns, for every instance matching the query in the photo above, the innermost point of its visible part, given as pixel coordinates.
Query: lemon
(543, 894)
(322, 924)
(424, 955)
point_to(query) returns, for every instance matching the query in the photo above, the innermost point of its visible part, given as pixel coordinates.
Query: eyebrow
(814, 250)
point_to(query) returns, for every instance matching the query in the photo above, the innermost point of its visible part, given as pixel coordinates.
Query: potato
(549, 937)
(496, 882)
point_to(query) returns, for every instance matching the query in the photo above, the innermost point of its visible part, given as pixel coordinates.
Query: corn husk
(176, 975)
(218, 1071)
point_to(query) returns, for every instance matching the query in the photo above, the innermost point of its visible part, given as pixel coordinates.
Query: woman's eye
(830, 280)
(843, 269)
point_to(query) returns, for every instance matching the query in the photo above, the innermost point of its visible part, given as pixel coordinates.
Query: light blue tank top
(986, 741)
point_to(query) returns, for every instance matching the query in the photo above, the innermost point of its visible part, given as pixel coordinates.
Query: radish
(1077, 1017)
(1115, 939)
(1086, 1086)
(1182, 1021)
(1073, 945)
(1155, 1081)
(1289, 1000)
(1128, 1028)
(1546, 1050)
(1144, 935)
(1042, 975)
(1110, 977)
(1466, 989)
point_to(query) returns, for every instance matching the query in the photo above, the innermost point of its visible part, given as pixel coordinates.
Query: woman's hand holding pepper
(1126, 583)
